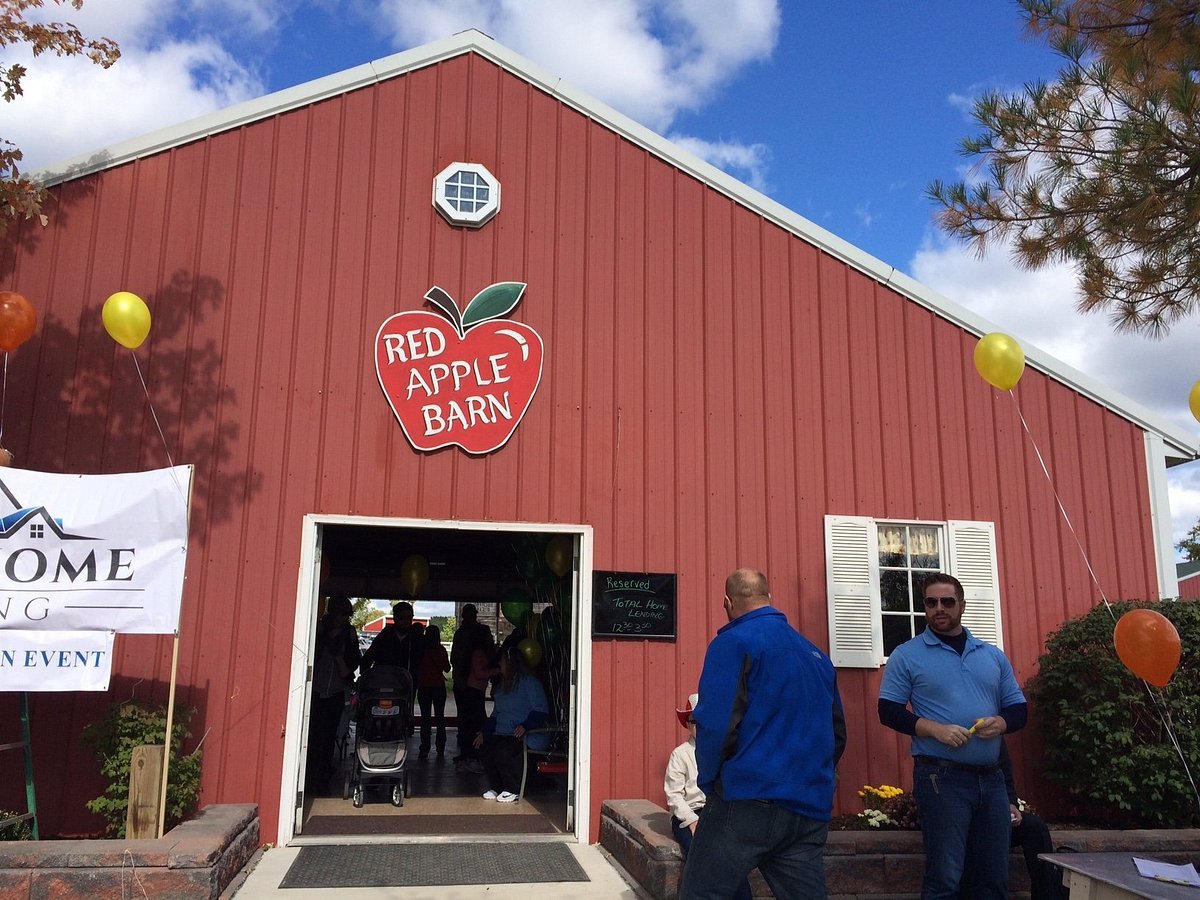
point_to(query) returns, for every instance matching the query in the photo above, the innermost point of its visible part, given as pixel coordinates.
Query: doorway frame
(308, 596)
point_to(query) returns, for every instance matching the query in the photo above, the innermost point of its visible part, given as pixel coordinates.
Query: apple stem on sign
(446, 304)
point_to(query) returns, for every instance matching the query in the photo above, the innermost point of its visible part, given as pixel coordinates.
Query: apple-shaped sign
(465, 379)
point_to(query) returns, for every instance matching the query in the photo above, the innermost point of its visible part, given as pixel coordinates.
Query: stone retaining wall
(867, 865)
(197, 859)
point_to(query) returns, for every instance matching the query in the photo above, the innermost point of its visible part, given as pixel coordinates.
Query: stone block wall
(859, 865)
(194, 860)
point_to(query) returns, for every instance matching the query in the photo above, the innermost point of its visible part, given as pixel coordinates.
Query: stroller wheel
(357, 799)
(397, 795)
(347, 787)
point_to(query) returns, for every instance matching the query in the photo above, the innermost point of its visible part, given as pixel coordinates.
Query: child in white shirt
(685, 800)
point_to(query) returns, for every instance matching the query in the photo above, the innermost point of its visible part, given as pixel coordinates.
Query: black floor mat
(419, 865)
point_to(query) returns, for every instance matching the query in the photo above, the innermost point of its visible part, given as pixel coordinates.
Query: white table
(1113, 876)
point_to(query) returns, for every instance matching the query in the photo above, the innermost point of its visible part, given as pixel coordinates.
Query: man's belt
(961, 767)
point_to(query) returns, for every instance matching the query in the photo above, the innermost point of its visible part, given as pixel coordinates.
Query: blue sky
(842, 111)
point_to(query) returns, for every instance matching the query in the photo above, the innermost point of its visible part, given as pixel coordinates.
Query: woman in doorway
(336, 656)
(518, 706)
(431, 689)
(473, 712)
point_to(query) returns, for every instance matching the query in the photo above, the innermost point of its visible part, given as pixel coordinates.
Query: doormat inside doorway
(322, 826)
(426, 865)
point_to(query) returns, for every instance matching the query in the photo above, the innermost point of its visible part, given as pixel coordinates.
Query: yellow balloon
(531, 651)
(126, 319)
(1194, 400)
(1000, 360)
(558, 554)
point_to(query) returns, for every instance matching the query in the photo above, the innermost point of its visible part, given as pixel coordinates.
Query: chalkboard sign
(633, 605)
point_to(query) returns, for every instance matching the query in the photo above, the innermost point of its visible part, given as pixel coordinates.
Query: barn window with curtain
(875, 568)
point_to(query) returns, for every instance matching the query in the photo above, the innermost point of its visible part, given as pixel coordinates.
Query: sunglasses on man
(948, 602)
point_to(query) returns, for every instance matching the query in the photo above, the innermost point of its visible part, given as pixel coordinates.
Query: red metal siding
(1189, 588)
(713, 386)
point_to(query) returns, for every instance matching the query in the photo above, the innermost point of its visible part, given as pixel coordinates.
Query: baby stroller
(382, 719)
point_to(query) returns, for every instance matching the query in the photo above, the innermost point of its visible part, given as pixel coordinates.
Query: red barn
(718, 383)
(1189, 580)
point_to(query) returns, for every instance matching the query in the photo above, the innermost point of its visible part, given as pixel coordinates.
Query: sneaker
(491, 795)
(506, 797)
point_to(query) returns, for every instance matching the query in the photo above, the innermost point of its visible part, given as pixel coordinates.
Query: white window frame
(852, 584)
(450, 212)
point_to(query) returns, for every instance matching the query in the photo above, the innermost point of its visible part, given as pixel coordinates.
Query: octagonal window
(466, 194)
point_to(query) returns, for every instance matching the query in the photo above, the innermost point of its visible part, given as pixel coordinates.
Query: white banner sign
(93, 552)
(55, 660)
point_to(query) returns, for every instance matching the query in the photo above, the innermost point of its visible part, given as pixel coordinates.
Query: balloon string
(1164, 714)
(153, 414)
(1062, 509)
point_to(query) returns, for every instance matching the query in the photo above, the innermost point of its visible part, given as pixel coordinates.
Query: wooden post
(145, 778)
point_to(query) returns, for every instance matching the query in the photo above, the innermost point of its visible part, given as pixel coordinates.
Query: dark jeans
(432, 699)
(683, 835)
(736, 836)
(471, 715)
(502, 756)
(1045, 880)
(965, 826)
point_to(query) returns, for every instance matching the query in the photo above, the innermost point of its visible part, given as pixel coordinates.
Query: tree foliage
(21, 198)
(1101, 168)
(1190, 545)
(1104, 736)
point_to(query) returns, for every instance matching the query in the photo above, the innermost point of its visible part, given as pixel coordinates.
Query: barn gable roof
(1179, 445)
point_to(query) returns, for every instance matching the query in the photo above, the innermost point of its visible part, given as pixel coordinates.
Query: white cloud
(1038, 309)
(71, 106)
(650, 59)
(746, 162)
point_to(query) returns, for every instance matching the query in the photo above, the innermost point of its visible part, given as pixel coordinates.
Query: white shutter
(852, 579)
(972, 554)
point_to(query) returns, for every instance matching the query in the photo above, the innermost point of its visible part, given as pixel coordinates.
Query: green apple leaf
(446, 304)
(494, 302)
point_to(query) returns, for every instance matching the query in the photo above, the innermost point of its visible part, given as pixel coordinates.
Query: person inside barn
(461, 648)
(399, 644)
(335, 657)
(769, 732)
(963, 697)
(519, 710)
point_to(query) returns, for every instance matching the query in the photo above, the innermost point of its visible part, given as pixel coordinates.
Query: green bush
(112, 740)
(1104, 736)
(15, 831)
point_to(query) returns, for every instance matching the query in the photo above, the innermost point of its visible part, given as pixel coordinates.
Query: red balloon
(1148, 645)
(18, 320)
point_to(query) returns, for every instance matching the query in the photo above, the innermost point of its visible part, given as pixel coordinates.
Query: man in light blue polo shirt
(963, 697)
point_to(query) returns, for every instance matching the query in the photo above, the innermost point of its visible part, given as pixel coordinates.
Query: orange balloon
(18, 320)
(1148, 645)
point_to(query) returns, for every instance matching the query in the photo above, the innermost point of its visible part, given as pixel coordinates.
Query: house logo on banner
(83, 557)
(466, 379)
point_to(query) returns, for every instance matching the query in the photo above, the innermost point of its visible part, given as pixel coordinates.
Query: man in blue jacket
(769, 731)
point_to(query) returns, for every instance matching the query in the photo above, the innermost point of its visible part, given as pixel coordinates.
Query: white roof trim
(1179, 445)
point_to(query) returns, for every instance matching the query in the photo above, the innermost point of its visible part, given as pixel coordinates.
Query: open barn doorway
(528, 587)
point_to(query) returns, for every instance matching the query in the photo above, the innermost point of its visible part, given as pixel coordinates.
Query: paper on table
(1149, 868)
